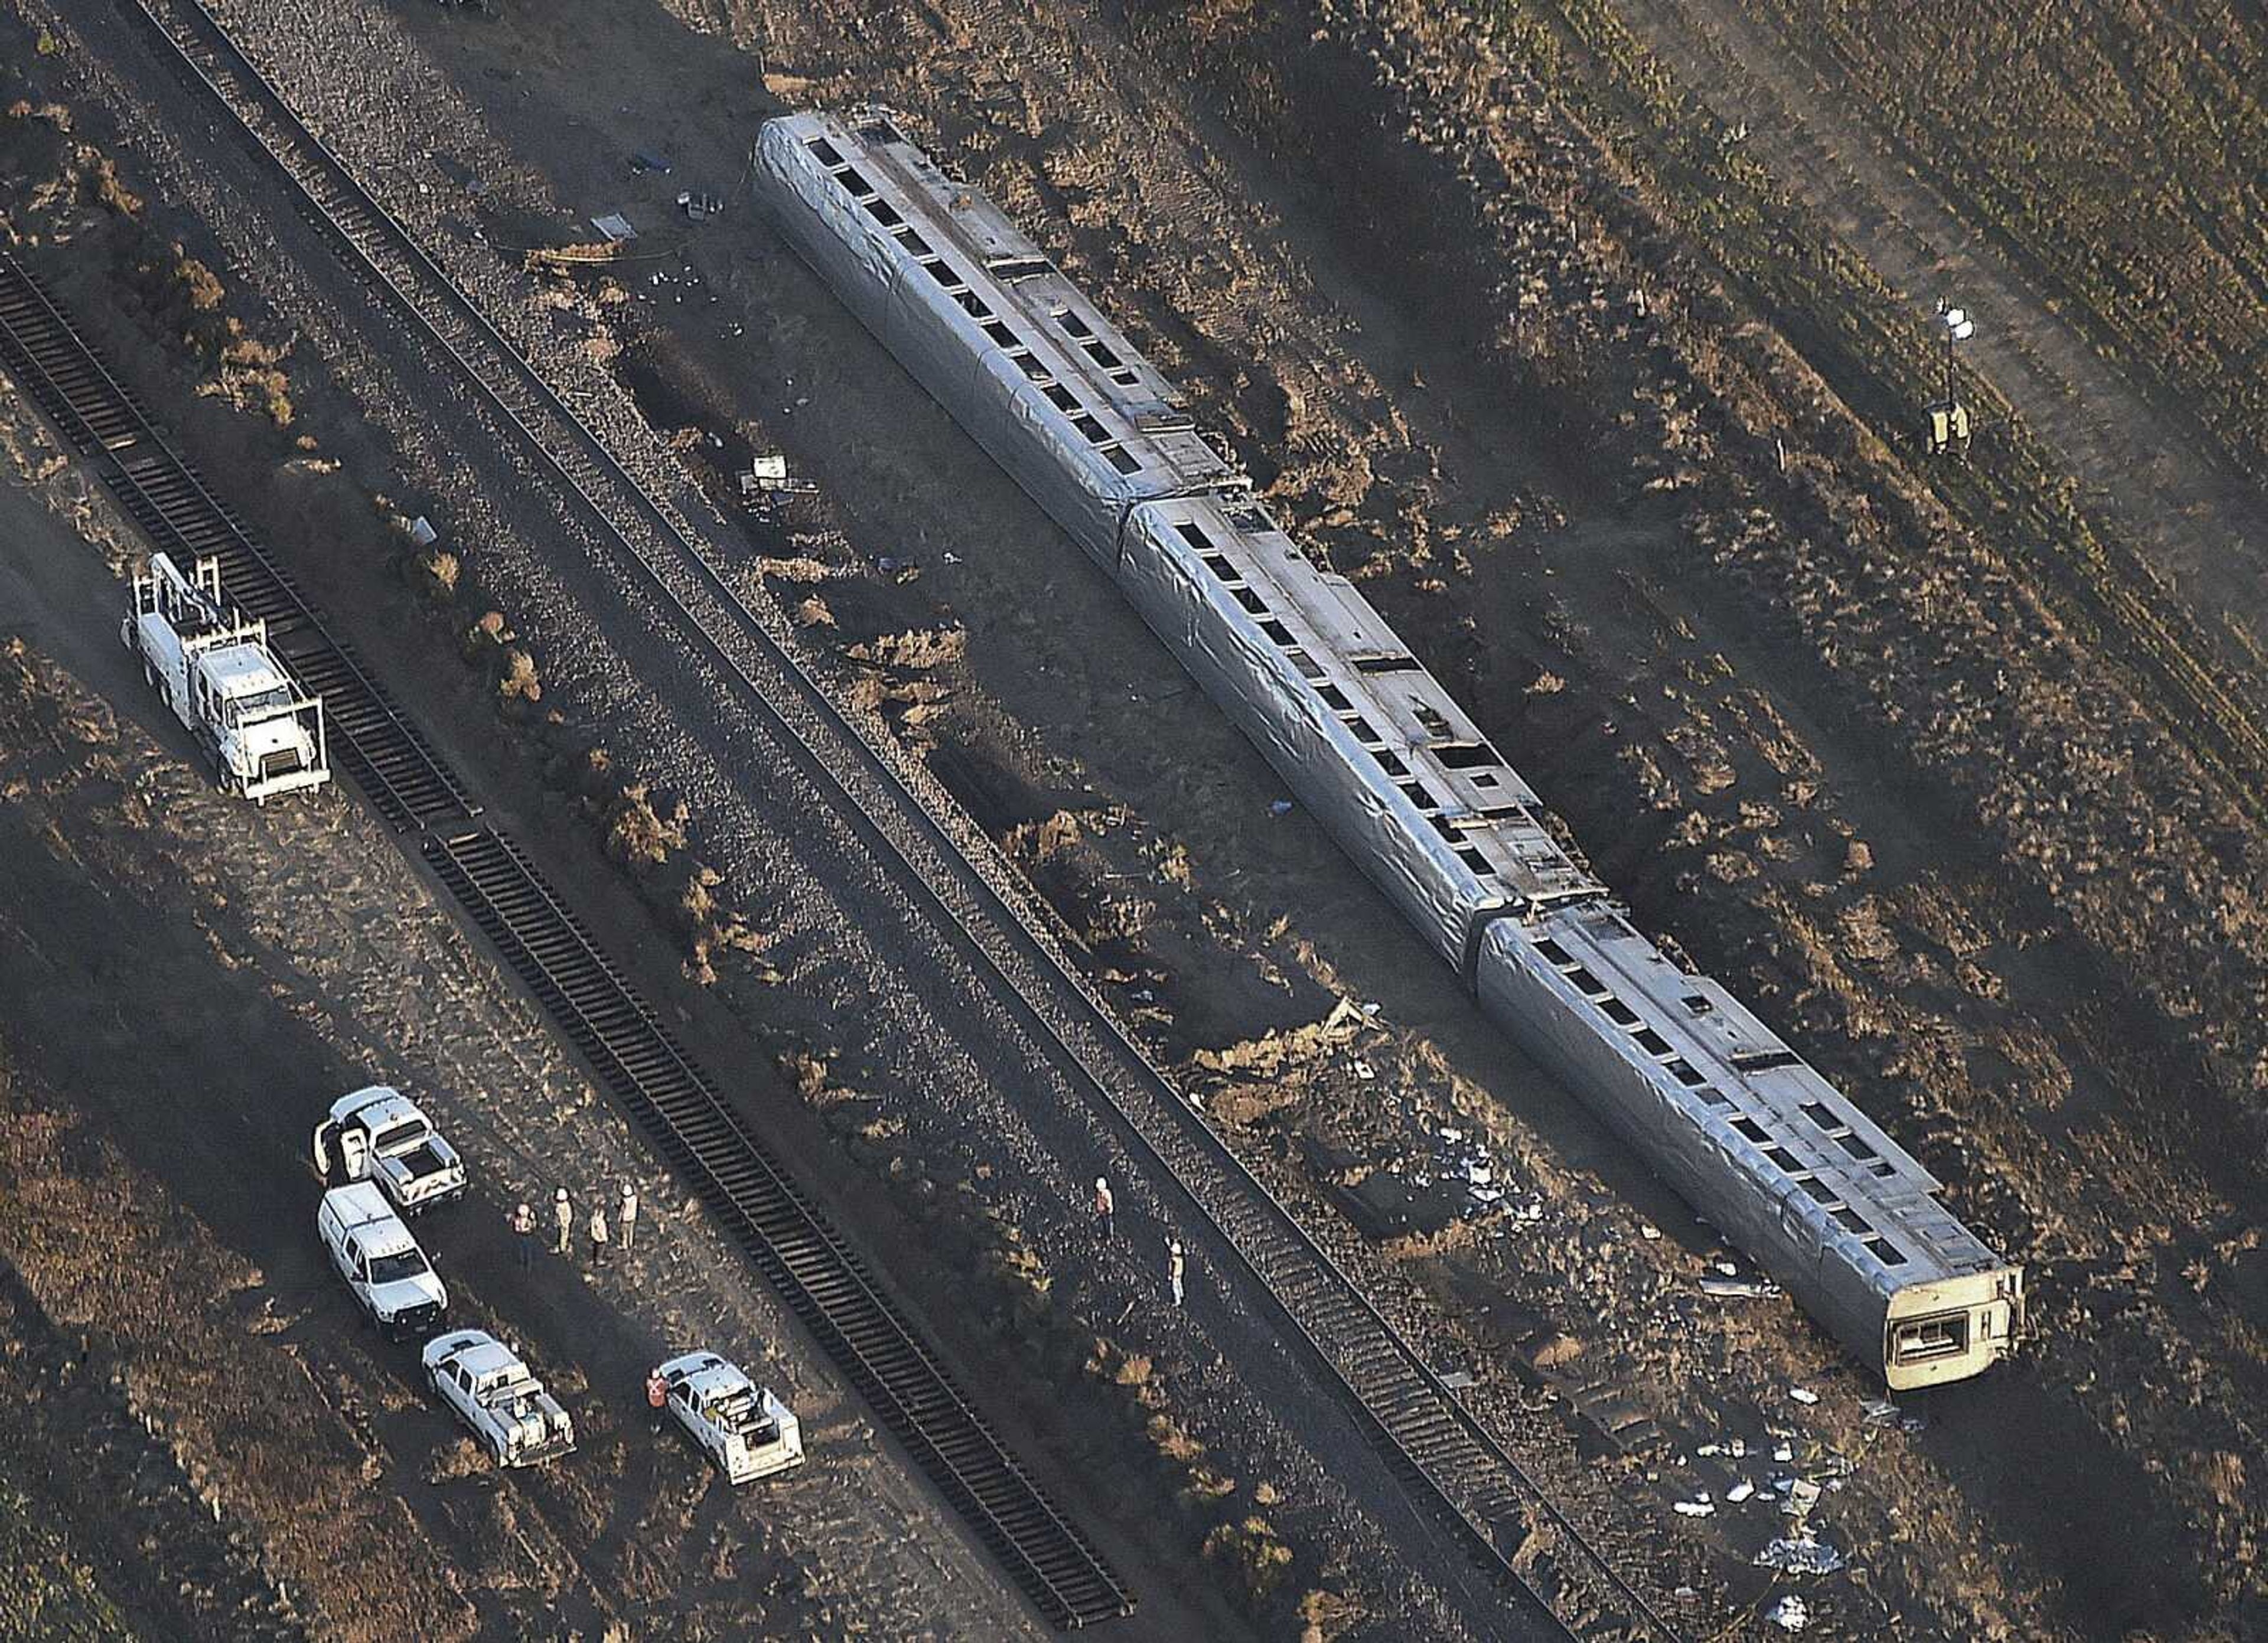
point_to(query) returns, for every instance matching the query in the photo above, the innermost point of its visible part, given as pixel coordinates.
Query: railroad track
(785, 1235)
(405, 782)
(1451, 1463)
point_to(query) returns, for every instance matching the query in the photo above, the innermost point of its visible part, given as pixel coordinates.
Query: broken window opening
(1765, 1060)
(1920, 1339)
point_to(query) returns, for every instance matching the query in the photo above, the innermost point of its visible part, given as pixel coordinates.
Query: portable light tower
(1949, 418)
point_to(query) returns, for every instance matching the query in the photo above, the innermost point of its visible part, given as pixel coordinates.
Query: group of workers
(562, 1214)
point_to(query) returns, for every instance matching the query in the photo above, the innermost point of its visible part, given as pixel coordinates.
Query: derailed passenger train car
(1756, 1140)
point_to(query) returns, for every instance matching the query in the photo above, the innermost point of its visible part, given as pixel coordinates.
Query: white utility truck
(262, 734)
(379, 1134)
(381, 1261)
(743, 1427)
(483, 1380)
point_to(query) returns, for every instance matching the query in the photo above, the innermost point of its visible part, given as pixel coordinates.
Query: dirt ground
(187, 979)
(1847, 748)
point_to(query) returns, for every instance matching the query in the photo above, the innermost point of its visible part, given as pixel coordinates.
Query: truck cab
(392, 1280)
(261, 732)
(379, 1134)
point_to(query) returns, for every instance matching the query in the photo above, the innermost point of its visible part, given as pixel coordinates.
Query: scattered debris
(1883, 1412)
(1740, 1492)
(422, 532)
(1279, 806)
(1791, 1614)
(1649, 1232)
(1703, 1508)
(1801, 1555)
(700, 207)
(1456, 1380)
(1802, 1497)
(766, 476)
(1741, 1288)
(1803, 1395)
(615, 226)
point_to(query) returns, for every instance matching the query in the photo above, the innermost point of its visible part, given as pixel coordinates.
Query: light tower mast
(1948, 418)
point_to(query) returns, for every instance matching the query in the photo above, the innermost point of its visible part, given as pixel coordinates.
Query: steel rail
(1437, 1445)
(787, 1237)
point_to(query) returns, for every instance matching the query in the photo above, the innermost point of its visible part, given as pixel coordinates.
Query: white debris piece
(1704, 1507)
(1740, 1492)
(422, 532)
(1784, 1453)
(1883, 1412)
(1800, 1555)
(1739, 1288)
(1791, 1614)
(1803, 1395)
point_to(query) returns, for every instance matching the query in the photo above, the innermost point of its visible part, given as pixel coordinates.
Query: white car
(379, 1134)
(381, 1263)
(746, 1430)
(484, 1381)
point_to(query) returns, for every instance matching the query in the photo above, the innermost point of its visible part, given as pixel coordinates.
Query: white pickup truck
(746, 1430)
(484, 1381)
(379, 1134)
(381, 1261)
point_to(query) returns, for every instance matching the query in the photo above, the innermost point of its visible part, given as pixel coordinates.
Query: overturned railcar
(1756, 1140)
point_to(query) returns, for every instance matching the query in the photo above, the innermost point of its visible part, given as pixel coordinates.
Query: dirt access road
(189, 979)
(2144, 463)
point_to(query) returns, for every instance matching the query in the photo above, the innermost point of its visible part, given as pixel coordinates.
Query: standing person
(1175, 1266)
(657, 1394)
(523, 1235)
(598, 1234)
(1105, 1207)
(626, 1215)
(563, 1212)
